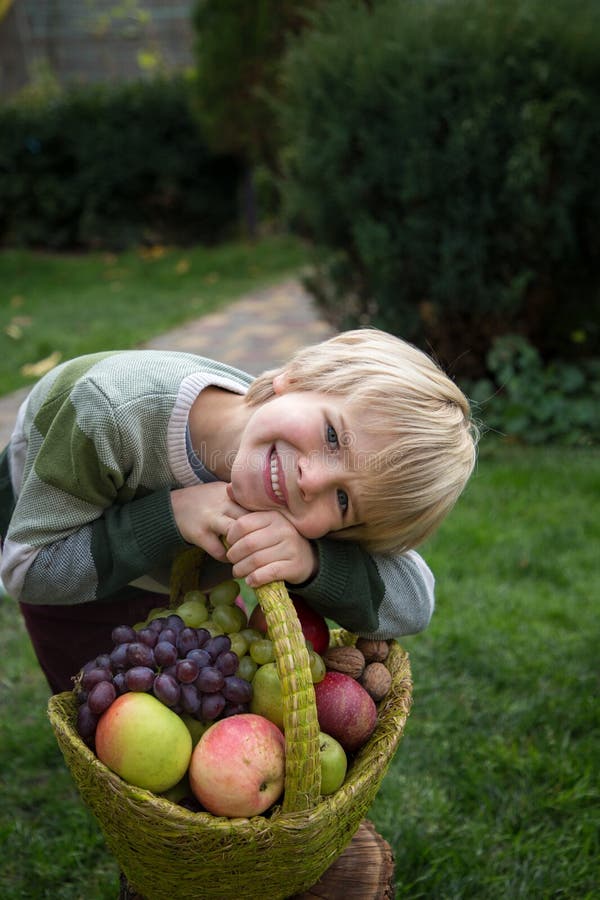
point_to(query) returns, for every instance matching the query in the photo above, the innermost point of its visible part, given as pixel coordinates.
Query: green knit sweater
(85, 484)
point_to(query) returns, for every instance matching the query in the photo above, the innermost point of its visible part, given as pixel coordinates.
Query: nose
(314, 477)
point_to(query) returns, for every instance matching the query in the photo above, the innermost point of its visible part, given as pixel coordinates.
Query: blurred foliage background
(438, 158)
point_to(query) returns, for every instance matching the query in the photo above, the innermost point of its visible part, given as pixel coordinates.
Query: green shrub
(237, 50)
(443, 157)
(109, 167)
(535, 403)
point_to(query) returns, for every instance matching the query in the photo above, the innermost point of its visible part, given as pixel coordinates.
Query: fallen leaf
(15, 327)
(182, 267)
(156, 251)
(39, 368)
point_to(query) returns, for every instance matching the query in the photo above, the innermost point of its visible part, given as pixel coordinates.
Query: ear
(280, 383)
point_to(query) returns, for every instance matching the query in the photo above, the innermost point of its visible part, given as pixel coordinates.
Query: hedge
(112, 166)
(443, 158)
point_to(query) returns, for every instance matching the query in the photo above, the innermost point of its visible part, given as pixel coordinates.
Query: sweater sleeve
(78, 531)
(97, 559)
(375, 596)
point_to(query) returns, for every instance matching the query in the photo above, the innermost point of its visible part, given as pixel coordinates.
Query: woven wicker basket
(170, 853)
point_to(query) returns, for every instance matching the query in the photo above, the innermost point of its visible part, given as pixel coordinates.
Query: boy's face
(302, 453)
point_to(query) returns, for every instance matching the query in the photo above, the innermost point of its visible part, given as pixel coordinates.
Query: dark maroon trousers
(66, 637)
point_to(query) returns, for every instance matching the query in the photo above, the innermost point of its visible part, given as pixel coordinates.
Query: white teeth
(275, 479)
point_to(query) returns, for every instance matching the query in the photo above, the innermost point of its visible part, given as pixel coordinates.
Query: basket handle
(300, 722)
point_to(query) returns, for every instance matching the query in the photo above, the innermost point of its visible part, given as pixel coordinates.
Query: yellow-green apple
(334, 763)
(238, 766)
(143, 741)
(267, 698)
(313, 625)
(345, 710)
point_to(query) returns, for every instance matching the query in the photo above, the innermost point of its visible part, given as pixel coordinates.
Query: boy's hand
(204, 513)
(265, 546)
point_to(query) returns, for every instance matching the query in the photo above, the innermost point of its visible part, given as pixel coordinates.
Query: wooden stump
(364, 871)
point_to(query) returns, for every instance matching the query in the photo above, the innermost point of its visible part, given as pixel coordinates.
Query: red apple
(143, 741)
(345, 710)
(238, 766)
(314, 627)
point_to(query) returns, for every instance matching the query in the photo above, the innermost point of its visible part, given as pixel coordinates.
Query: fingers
(265, 547)
(247, 557)
(213, 545)
(203, 514)
(265, 575)
(263, 566)
(250, 532)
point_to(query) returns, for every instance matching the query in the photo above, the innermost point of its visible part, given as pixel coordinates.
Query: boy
(325, 473)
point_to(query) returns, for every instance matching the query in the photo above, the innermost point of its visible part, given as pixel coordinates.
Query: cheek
(315, 524)
(243, 477)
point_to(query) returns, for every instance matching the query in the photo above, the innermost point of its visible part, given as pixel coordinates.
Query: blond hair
(422, 421)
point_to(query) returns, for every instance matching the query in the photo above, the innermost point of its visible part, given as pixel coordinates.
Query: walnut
(376, 680)
(348, 660)
(373, 651)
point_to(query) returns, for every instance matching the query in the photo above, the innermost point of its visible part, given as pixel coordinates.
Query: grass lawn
(69, 305)
(494, 790)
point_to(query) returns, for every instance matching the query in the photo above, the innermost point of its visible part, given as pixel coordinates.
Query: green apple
(267, 698)
(144, 742)
(334, 763)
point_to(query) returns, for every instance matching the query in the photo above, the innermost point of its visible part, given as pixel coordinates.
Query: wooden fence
(85, 41)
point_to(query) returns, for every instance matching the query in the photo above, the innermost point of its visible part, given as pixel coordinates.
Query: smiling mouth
(275, 478)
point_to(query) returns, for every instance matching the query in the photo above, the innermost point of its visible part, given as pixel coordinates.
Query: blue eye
(331, 435)
(342, 498)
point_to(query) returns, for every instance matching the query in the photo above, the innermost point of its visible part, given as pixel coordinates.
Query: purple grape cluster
(187, 669)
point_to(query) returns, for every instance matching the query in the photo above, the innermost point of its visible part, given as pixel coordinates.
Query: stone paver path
(257, 332)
